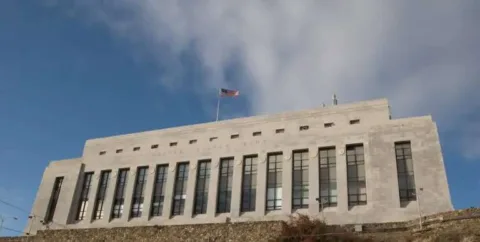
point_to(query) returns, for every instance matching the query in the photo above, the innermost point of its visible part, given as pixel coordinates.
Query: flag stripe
(228, 93)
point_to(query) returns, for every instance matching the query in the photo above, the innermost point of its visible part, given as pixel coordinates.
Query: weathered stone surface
(376, 131)
(255, 231)
(456, 227)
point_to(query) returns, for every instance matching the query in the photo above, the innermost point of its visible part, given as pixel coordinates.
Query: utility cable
(30, 214)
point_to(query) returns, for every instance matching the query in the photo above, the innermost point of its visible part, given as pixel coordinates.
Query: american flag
(228, 93)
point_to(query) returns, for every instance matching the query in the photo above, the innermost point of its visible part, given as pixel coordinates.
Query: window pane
(333, 173)
(333, 189)
(355, 175)
(406, 179)
(225, 185)
(180, 191)
(274, 185)
(249, 184)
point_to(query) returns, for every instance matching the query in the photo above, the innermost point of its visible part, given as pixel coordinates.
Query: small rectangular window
(355, 121)
(173, 144)
(136, 149)
(102, 152)
(234, 136)
(328, 125)
(213, 138)
(280, 131)
(258, 133)
(193, 141)
(304, 127)
(119, 151)
(154, 146)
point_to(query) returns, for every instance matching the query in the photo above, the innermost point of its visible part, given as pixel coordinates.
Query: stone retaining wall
(242, 232)
(461, 222)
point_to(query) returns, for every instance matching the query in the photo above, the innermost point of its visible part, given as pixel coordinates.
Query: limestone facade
(254, 169)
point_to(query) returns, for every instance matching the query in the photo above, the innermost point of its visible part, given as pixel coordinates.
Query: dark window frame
(119, 195)
(138, 196)
(355, 121)
(159, 188)
(300, 185)
(327, 161)
(83, 200)
(99, 206)
(180, 188)
(274, 167)
(224, 191)
(403, 152)
(329, 125)
(202, 187)
(249, 185)
(354, 160)
(257, 133)
(304, 128)
(280, 131)
(52, 204)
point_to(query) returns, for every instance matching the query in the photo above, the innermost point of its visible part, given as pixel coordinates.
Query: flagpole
(218, 104)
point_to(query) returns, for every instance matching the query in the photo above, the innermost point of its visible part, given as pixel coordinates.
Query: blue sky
(75, 70)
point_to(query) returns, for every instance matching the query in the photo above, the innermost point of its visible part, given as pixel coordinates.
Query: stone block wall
(242, 232)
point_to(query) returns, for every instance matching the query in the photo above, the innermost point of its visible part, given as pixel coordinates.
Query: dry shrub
(301, 228)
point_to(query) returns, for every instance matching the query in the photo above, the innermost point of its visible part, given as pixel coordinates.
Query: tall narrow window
(328, 177)
(224, 195)
(119, 196)
(357, 190)
(300, 179)
(101, 192)
(274, 182)
(406, 178)
(159, 190)
(249, 183)
(52, 204)
(201, 188)
(180, 192)
(138, 194)
(83, 203)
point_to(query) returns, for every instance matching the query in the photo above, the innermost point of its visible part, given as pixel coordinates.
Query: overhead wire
(29, 213)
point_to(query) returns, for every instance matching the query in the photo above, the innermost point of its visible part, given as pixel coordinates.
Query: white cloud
(422, 55)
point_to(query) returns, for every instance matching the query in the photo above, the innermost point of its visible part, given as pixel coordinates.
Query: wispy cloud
(422, 55)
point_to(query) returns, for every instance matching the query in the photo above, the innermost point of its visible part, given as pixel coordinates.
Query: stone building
(347, 164)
